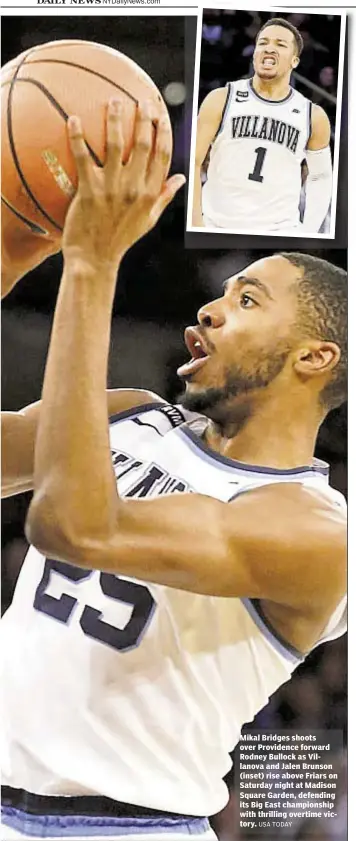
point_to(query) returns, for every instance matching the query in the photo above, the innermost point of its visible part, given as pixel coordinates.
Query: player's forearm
(18, 434)
(318, 189)
(317, 203)
(243, 550)
(75, 488)
(73, 471)
(197, 218)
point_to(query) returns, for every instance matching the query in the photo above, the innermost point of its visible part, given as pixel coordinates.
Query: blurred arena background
(161, 286)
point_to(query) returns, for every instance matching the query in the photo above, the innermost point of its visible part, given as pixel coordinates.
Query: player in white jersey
(188, 559)
(257, 133)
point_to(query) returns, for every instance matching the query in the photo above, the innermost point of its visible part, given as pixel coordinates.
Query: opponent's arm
(209, 119)
(319, 180)
(18, 436)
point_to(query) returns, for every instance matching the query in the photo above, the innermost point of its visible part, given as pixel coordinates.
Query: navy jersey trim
(224, 111)
(94, 806)
(135, 410)
(270, 101)
(309, 122)
(74, 826)
(285, 648)
(251, 468)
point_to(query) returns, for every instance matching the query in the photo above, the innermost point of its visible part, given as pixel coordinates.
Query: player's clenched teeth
(269, 61)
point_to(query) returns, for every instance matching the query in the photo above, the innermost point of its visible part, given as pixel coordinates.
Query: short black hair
(322, 314)
(299, 43)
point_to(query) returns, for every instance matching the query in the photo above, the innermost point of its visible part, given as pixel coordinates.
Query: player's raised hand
(116, 205)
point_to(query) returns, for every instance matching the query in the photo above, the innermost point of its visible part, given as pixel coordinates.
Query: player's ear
(295, 61)
(316, 359)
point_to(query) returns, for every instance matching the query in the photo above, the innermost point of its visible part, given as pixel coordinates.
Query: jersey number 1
(91, 623)
(256, 174)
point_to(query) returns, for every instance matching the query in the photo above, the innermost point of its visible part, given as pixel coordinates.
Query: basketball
(41, 88)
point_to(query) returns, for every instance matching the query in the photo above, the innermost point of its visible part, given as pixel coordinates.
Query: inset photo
(266, 123)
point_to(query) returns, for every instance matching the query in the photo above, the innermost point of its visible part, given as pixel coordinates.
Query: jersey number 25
(122, 639)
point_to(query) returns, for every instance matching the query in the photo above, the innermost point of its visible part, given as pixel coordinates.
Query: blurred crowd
(228, 39)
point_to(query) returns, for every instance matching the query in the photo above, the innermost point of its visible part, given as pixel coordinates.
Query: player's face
(275, 53)
(243, 340)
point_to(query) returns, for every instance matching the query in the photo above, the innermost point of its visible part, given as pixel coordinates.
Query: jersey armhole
(309, 122)
(254, 608)
(224, 111)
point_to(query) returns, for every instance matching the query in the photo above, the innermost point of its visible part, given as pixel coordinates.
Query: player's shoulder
(215, 100)
(299, 521)
(241, 84)
(320, 128)
(126, 399)
(310, 502)
(319, 115)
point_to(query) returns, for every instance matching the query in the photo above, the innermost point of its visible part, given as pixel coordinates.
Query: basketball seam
(86, 70)
(15, 79)
(60, 111)
(14, 153)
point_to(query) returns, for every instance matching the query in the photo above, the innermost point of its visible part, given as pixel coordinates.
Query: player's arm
(319, 180)
(209, 120)
(18, 436)
(21, 249)
(283, 544)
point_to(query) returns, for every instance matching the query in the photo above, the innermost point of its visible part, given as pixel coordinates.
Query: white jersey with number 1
(254, 173)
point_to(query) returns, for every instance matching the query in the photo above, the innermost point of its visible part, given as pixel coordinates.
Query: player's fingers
(160, 160)
(170, 189)
(142, 144)
(114, 143)
(80, 152)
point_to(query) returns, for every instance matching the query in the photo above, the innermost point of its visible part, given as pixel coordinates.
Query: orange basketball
(40, 89)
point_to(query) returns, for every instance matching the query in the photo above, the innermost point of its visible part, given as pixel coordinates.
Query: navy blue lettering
(273, 129)
(247, 133)
(235, 125)
(263, 129)
(62, 608)
(281, 133)
(254, 127)
(146, 483)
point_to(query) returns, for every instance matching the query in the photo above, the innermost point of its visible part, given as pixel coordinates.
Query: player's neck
(268, 436)
(275, 89)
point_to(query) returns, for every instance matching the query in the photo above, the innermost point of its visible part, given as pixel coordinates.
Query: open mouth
(269, 61)
(199, 354)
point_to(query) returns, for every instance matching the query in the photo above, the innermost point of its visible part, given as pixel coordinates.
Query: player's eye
(246, 301)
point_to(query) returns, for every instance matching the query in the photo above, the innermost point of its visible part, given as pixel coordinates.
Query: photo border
(330, 235)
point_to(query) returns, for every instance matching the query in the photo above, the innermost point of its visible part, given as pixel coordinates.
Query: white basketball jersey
(131, 690)
(254, 173)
